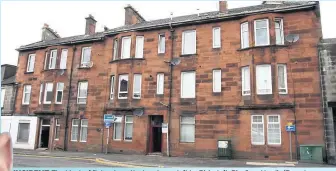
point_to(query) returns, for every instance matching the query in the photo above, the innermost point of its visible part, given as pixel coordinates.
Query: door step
(154, 154)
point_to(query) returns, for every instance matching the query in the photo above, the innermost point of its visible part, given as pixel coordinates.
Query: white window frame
(125, 127)
(184, 42)
(3, 93)
(160, 83)
(74, 127)
(25, 92)
(57, 90)
(31, 63)
(81, 130)
(82, 57)
(139, 46)
(242, 38)
(41, 93)
(120, 77)
(115, 49)
(281, 31)
(216, 37)
(215, 81)
(46, 91)
(134, 84)
(160, 51)
(64, 57)
(267, 31)
(18, 131)
(123, 49)
(112, 87)
(194, 84)
(263, 133)
(114, 129)
(259, 92)
(79, 87)
(52, 59)
(285, 79)
(57, 125)
(187, 123)
(268, 132)
(246, 91)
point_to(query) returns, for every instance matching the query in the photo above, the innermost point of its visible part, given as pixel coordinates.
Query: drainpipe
(68, 103)
(170, 86)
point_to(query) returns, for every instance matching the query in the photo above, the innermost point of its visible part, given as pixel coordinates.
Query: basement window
(23, 132)
(187, 128)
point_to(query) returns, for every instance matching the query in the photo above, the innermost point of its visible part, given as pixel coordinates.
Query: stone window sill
(127, 59)
(264, 46)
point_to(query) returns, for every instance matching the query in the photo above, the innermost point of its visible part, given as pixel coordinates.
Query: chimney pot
(223, 6)
(45, 25)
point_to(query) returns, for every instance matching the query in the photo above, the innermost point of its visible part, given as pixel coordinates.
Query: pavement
(140, 161)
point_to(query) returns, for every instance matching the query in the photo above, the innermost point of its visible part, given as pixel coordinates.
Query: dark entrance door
(44, 133)
(155, 139)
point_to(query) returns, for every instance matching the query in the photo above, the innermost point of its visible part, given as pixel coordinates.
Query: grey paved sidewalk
(161, 161)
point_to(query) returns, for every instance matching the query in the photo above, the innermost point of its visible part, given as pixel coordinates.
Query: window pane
(126, 47)
(161, 44)
(273, 130)
(115, 49)
(217, 81)
(117, 131)
(139, 47)
(264, 79)
(64, 57)
(57, 132)
(279, 31)
(189, 42)
(188, 85)
(74, 129)
(52, 61)
(246, 81)
(261, 36)
(82, 89)
(128, 131)
(137, 86)
(75, 122)
(23, 132)
(244, 35)
(261, 24)
(123, 86)
(86, 55)
(216, 37)
(31, 63)
(48, 92)
(160, 83)
(187, 129)
(112, 87)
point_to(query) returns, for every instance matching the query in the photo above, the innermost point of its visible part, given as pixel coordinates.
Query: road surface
(36, 161)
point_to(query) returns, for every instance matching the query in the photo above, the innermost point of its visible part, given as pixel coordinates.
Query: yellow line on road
(97, 160)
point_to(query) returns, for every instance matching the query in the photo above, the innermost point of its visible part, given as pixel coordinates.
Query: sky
(22, 21)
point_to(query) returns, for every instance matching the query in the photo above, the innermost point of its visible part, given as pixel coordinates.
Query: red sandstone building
(238, 79)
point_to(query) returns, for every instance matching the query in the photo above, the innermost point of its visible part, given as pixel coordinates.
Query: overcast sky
(22, 21)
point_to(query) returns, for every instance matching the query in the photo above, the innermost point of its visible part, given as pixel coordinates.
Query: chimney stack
(90, 27)
(48, 33)
(223, 6)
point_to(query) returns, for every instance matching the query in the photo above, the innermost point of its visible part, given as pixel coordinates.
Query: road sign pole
(290, 146)
(107, 139)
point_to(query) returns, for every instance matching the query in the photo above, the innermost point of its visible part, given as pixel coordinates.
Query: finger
(6, 151)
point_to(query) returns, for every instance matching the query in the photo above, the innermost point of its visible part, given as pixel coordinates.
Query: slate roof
(329, 41)
(10, 80)
(187, 19)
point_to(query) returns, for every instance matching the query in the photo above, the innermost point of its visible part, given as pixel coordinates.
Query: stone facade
(224, 115)
(327, 54)
(8, 84)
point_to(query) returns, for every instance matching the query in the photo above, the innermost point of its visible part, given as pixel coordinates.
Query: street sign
(107, 124)
(290, 128)
(109, 118)
(165, 128)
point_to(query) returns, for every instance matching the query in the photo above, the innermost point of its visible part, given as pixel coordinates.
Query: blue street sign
(107, 124)
(290, 128)
(108, 117)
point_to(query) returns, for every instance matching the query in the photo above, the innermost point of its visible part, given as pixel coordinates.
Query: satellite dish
(175, 61)
(138, 112)
(291, 38)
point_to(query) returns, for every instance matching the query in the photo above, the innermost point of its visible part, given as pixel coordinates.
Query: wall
(11, 124)
(9, 100)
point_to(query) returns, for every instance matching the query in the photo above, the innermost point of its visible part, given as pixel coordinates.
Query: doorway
(44, 133)
(155, 137)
